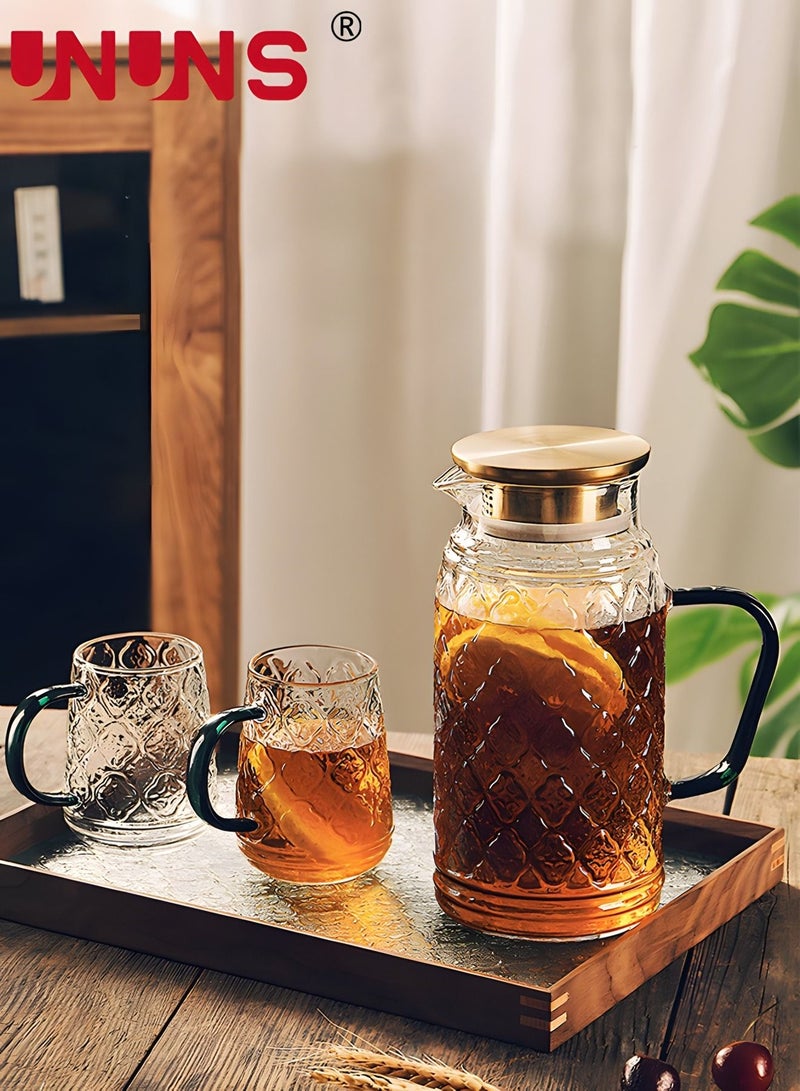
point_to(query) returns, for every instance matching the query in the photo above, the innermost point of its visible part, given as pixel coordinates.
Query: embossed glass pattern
(314, 772)
(129, 736)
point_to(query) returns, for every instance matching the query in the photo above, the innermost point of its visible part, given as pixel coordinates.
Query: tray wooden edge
(538, 1018)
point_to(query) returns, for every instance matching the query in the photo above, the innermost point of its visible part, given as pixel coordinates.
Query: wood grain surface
(79, 124)
(80, 1015)
(195, 377)
(170, 1027)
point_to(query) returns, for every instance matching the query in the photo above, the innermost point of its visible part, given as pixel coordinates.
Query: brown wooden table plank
(236, 1034)
(78, 1016)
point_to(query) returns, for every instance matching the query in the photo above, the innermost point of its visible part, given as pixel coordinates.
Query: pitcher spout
(463, 487)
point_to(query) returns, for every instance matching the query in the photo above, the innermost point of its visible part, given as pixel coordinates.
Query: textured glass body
(129, 737)
(314, 773)
(549, 715)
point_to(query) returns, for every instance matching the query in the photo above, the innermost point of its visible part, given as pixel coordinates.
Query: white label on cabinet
(39, 243)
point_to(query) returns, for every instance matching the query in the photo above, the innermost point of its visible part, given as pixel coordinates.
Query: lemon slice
(565, 667)
(302, 825)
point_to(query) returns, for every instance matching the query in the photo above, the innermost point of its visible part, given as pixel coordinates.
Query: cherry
(649, 1074)
(743, 1066)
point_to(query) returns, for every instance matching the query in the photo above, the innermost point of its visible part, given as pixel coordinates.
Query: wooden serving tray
(381, 940)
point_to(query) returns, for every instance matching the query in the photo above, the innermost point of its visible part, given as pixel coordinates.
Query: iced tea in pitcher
(549, 784)
(549, 752)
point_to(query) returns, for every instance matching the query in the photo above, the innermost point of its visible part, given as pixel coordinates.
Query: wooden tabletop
(80, 1015)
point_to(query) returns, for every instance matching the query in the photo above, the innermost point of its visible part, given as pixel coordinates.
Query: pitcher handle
(200, 755)
(21, 720)
(724, 774)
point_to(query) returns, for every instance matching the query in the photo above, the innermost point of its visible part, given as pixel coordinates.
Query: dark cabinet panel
(104, 231)
(75, 494)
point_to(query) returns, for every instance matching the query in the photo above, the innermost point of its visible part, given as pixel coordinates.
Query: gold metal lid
(551, 454)
(551, 476)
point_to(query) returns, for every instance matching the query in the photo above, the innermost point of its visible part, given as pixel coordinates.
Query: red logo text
(266, 53)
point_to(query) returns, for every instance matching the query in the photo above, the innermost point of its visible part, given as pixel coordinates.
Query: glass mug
(549, 784)
(313, 796)
(136, 701)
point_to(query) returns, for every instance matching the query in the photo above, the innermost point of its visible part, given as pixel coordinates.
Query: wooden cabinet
(193, 324)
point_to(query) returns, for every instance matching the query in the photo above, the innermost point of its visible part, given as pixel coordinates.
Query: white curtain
(479, 214)
(715, 139)
(555, 211)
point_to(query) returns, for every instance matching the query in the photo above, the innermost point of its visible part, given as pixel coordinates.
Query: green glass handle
(21, 720)
(200, 754)
(724, 774)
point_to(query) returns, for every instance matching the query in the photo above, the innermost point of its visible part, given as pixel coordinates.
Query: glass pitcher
(549, 783)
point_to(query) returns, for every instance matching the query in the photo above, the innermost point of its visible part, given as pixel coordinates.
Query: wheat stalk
(355, 1065)
(380, 1081)
(394, 1072)
(426, 1072)
(360, 1079)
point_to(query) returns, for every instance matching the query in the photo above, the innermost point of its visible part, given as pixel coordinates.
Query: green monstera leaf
(751, 355)
(779, 730)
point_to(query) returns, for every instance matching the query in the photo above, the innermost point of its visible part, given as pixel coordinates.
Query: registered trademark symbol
(346, 26)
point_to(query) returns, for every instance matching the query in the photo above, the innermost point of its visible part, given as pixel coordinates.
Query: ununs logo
(146, 62)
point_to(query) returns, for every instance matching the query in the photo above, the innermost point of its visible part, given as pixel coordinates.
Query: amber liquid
(548, 775)
(323, 816)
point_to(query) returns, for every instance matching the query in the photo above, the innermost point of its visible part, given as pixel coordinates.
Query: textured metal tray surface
(392, 909)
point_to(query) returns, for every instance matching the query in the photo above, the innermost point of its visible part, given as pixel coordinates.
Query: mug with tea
(136, 701)
(313, 794)
(549, 656)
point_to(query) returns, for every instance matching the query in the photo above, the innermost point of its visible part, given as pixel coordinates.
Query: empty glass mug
(136, 701)
(549, 784)
(313, 796)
